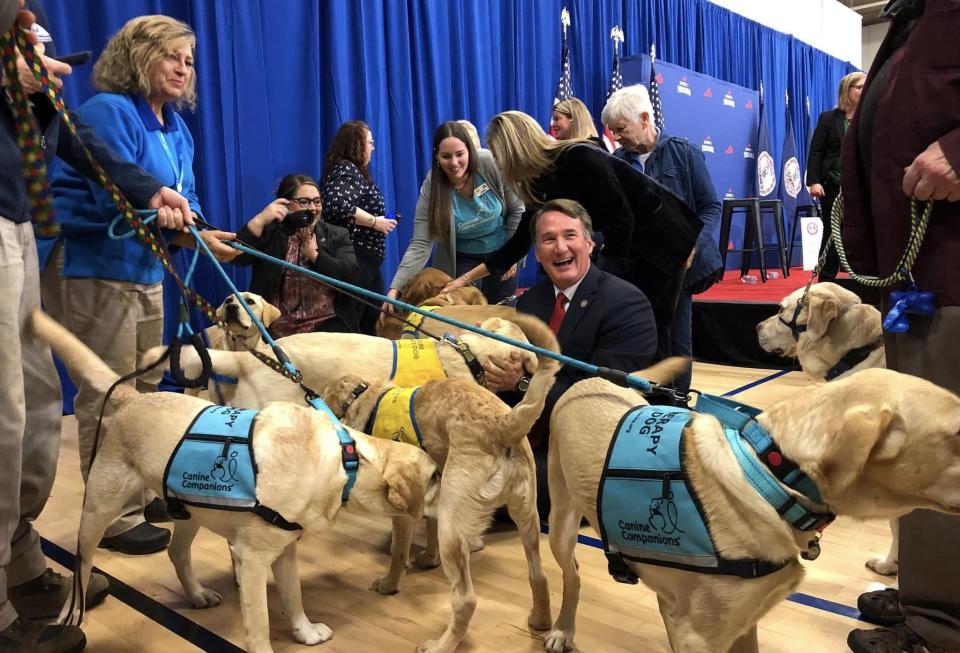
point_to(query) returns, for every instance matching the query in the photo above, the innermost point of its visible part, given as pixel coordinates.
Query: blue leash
(615, 376)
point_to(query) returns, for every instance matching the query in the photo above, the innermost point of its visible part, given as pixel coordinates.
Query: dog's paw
(427, 561)
(883, 566)
(476, 545)
(429, 646)
(312, 634)
(385, 585)
(205, 599)
(539, 620)
(558, 641)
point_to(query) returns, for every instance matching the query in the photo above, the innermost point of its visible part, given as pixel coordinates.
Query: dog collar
(357, 391)
(348, 447)
(476, 369)
(769, 470)
(853, 358)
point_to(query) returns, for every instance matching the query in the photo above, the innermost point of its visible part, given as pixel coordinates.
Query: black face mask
(296, 221)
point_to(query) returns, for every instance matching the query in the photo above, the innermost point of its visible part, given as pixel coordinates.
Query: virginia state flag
(804, 196)
(791, 177)
(766, 168)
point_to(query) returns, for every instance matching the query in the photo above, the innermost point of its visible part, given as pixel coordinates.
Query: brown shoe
(25, 636)
(44, 596)
(882, 607)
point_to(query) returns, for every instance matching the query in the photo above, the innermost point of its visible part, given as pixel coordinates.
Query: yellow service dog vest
(412, 327)
(415, 362)
(393, 417)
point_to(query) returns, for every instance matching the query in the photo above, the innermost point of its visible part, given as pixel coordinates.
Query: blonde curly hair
(129, 58)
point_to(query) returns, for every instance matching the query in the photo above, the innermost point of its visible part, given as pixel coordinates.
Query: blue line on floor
(170, 619)
(743, 388)
(796, 597)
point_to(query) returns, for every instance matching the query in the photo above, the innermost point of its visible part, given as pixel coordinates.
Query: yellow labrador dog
(833, 334)
(241, 334)
(480, 445)
(325, 357)
(877, 444)
(301, 477)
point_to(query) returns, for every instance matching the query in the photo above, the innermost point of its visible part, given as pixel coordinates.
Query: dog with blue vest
(712, 509)
(258, 478)
(480, 445)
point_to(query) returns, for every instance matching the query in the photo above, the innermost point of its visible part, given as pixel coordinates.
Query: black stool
(753, 233)
(802, 211)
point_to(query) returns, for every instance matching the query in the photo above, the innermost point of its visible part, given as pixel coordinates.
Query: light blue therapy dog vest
(213, 466)
(648, 510)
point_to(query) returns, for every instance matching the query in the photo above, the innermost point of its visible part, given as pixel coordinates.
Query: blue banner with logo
(791, 175)
(719, 117)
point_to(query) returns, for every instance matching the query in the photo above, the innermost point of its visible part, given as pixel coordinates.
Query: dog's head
(425, 284)
(395, 479)
(348, 397)
(824, 303)
(483, 347)
(239, 324)
(877, 443)
(465, 296)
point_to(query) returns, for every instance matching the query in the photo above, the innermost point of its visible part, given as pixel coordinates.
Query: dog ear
(222, 310)
(820, 312)
(850, 446)
(270, 313)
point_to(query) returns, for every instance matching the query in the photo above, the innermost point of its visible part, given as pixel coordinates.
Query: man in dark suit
(598, 318)
(886, 164)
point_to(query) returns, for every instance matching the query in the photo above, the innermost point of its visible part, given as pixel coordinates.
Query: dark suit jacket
(609, 323)
(825, 146)
(917, 106)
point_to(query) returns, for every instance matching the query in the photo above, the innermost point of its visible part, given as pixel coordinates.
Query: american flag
(565, 85)
(616, 83)
(654, 88)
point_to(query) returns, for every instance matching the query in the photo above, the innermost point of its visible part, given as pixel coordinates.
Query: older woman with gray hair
(112, 288)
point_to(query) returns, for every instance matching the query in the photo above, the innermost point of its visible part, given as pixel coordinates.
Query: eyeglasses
(305, 202)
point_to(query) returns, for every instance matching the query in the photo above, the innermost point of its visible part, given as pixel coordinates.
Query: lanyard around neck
(177, 169)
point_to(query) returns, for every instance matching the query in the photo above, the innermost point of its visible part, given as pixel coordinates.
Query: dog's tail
(515, 425)
(79, 359)
(665, 371)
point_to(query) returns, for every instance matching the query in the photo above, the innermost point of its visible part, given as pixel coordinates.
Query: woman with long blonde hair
(648, 234)
(571, 120)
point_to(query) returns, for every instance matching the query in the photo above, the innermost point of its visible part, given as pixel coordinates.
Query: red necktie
(558, 312)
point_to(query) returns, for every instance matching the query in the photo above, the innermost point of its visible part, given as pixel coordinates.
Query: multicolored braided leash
(35, 169)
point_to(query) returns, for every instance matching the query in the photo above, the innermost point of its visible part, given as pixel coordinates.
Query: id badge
(480, 190)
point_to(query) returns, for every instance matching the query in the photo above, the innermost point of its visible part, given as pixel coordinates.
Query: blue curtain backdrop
(275, 79)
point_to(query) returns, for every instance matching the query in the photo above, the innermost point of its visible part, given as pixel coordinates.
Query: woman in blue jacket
(113, 289)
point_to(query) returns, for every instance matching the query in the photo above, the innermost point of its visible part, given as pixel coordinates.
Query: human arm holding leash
(418, 250)
(933, 174)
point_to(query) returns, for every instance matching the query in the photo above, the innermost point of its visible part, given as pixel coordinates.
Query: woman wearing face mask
(466, 209)
(823, 162)
(290, 228)
(354, 201)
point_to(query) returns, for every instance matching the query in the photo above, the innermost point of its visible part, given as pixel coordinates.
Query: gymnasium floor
(147, 613)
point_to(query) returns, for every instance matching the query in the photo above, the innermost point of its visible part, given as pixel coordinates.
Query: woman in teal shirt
(465, 209)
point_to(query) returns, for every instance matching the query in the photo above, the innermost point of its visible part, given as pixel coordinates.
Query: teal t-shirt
(479, 220)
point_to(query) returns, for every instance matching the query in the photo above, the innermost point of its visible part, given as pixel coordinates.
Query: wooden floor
(338, 567)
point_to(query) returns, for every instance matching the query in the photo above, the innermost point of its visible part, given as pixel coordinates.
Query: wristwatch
(523, 383)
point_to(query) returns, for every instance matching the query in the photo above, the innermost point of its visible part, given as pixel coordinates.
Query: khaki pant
(30, 413)
(930, 541)
(119, 321)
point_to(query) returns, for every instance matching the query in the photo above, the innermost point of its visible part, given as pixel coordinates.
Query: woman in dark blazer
(305, 304)
(823, 161)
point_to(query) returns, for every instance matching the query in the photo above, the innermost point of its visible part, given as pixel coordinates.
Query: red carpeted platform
(732, 289)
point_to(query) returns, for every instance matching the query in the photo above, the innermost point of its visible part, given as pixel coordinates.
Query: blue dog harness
(213, 466)
(649, 511)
